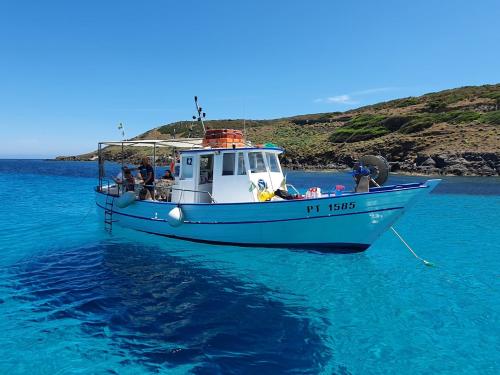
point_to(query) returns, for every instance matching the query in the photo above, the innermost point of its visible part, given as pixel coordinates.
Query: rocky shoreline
(460, 164)
(464, 164)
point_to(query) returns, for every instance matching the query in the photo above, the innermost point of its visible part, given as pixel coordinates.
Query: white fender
(125, 199)
(175, 217)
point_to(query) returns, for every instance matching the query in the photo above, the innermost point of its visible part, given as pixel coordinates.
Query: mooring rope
(426, 262)
(91, 206)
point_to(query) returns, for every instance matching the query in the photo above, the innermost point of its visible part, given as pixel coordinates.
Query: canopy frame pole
(123, 172)
(99, 166)
(154, 170)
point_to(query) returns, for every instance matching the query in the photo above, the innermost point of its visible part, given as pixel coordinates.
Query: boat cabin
(226, 175)
(219, 168)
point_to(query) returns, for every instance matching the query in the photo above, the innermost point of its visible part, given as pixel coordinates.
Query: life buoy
(175, 217)
(125, 200)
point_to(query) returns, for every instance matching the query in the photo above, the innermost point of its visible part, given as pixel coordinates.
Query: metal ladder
(108, 213)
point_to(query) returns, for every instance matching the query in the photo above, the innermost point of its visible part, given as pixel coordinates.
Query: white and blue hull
(351, 222)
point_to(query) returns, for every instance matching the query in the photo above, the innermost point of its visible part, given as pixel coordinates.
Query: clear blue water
(74, 299)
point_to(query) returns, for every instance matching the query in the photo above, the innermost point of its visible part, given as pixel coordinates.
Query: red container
(223, 138)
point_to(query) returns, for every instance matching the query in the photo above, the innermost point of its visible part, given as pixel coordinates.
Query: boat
(228, 191)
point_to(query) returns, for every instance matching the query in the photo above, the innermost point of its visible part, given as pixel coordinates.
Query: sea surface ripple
(74, 299)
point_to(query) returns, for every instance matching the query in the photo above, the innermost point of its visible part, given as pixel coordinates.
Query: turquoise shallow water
(74, 299)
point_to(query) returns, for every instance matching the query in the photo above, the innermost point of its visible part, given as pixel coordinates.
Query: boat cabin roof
(186, 145)
(209, 150)
(175, 143)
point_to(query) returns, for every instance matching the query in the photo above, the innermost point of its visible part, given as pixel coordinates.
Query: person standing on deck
(148, 174)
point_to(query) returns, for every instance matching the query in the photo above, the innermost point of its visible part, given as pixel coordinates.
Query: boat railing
(117, 189)
(293, 188)
(171, 188)
(105, 186)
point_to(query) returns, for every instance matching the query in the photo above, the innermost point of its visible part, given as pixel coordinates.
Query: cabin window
(241, 164)
(256, 162)
(228, 164)
(187, 167)
(272, 161)
(206, 169)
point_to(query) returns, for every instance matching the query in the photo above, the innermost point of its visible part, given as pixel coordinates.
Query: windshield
(272, 162)
(256, 162)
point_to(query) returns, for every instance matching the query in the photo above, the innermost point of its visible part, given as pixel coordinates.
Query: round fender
(175, 217)
(378, 166)
(125, 199)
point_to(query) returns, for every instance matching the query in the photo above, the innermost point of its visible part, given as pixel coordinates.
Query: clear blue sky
(71, 70)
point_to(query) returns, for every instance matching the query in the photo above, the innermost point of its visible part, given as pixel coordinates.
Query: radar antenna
(201, 114)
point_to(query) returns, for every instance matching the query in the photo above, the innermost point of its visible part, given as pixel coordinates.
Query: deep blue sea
(76, 300)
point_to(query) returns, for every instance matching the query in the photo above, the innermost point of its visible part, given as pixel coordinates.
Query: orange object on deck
(223, 138)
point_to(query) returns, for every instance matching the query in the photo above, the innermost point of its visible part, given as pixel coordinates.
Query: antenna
(190, 129)
(201, 114)
(122, 129)
(244, 122)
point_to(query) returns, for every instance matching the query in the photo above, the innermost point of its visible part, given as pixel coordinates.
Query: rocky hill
(455, 132)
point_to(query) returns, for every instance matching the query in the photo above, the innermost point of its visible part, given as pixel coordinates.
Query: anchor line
(426, 262)
(91, 206)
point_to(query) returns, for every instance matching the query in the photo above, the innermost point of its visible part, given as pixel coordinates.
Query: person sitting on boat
(125, 179)
(129, 180)
(168, 175)
(119, 177)
(163, 186)
(148, 175)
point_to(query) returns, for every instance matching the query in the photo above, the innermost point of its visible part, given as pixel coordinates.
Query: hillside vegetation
(449, 132)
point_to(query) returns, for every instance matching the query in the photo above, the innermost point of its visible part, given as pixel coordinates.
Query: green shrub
(426, 120)
(360, 128)
(435, 106)
(350, 135)
(466, 116)
(320, 118)
(491, 118)
(395, 122)
(365, 121)
(407, 102)
(492, 95)
(416, 125)
(454, 97)
(364, 127)
(453, 117)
